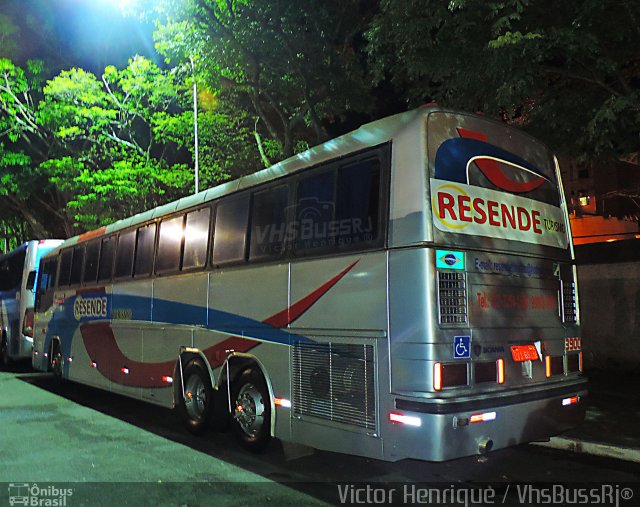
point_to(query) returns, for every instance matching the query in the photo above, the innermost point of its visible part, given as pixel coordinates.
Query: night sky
(90, 34)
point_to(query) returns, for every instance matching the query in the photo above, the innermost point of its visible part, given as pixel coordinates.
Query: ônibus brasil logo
(38, 496)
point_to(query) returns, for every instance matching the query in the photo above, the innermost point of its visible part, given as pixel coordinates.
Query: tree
(291, 65)
(568, 71)
(78, 151)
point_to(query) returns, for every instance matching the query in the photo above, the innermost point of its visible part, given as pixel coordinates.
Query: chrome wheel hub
(249, 411)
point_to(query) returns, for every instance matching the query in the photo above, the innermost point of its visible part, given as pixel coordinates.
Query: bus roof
(368, 135)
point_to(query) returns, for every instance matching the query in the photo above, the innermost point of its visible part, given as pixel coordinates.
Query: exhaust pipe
(485, 446)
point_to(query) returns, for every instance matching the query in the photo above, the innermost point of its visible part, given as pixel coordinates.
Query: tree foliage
(85, 151)
(291, 65)
(567, 71)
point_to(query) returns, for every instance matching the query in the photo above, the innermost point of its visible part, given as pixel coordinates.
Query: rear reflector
(487, 416)
(405, 419)
(570, 401)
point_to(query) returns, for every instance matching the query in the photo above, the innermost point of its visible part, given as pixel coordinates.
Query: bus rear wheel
(57, 361)
(252, 410)
(196, 402)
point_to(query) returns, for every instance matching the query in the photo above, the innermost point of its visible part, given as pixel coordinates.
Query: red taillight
(580, 362)
(500, 366)
(28, 322)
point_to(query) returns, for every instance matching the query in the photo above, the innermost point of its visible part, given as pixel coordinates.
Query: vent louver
(335, 382)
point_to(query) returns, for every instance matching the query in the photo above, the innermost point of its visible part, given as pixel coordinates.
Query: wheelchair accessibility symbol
(461, 347)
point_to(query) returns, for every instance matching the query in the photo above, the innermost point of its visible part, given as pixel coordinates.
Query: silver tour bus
(18, 271)
(403, 291)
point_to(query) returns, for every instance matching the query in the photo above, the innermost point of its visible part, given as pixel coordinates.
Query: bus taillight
(28, 323)
(437, 376)
(500, 367)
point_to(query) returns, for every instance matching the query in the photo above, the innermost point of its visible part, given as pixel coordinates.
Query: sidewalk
(611, 426)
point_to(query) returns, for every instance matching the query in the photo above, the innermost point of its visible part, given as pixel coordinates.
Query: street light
(195, 123)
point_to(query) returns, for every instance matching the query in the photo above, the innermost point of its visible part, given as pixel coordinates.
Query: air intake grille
(569, 306)
(335, 382)
(452, 298)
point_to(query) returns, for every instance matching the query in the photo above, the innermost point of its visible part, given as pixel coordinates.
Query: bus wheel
(252, 410)
(196, 403)
(4, 352)
(57, 361)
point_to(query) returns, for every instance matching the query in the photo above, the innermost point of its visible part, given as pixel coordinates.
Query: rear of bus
(485, 347)
(18, 270)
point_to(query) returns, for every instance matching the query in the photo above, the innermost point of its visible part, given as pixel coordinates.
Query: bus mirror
(31, 280)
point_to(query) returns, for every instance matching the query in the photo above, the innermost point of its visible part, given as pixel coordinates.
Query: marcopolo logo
(93, 307)
(38, 496)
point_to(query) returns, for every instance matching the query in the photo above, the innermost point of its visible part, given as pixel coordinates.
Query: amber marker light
(500, 365)
(437, 376)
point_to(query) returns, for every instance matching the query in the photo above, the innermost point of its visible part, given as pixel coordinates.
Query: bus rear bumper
(454, 434)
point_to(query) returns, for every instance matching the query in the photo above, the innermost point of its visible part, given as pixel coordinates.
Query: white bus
(403, 291)
(18, 270)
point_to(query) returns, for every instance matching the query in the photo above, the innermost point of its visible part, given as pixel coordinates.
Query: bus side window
(123, 267)
(106, 259)
(76, 265)
(45, 285)
(196, 237)
(232, 217)
(145, 243)
(268, 222)
(358, 203)
(315, 213)
(170, 236)
(64, 273)
(91, 262)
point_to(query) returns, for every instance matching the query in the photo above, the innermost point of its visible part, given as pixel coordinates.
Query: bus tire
(4, 352)
(196, 403)
(56, 361)
(251, 410)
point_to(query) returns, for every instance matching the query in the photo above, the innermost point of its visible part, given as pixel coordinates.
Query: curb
(592, 448)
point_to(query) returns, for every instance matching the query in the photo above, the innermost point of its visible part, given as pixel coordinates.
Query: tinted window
(231, 230)
(144, 250)
(65, 268)
(92, 255)
(106, 258)
(268, 222)
(315, 211)
(11, 270)
(76, 265)
(44, 289)
(196, 237)
(358, 203)
(124, 255)
(170, 245)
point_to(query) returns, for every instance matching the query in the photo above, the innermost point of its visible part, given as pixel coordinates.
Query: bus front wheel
(252, 410)
(196, 402)
(4, 352)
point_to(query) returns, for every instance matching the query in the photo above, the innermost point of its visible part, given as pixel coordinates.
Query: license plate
(521, 353)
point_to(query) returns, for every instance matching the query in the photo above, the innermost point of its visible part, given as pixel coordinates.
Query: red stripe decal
(491, 169)
(110, 361)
